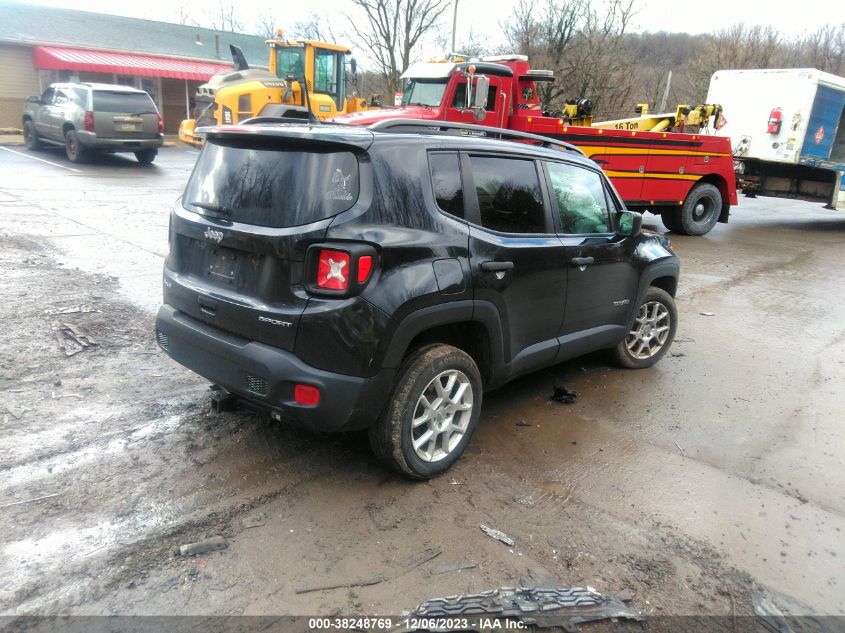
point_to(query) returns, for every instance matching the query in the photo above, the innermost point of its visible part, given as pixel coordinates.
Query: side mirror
(479, 95)
(33, 99)
(629, 223)
(353, 66)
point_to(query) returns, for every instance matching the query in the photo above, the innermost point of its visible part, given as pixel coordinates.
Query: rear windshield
(126, 102)
(271, 187)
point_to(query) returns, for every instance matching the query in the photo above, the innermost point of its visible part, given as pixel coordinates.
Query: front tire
(146, 156)
(701, 210)
(30, 136)
(651, 333)
(432, 413)
(73, 149)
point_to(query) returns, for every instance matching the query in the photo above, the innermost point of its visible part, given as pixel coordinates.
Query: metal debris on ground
(80, 309)
(707, 313)
(496, 534)
(364, 582)
(73, 340)
(544, 607)
(564, 395)
(412, 562)
(201, 547)
(524, 423)
(450, 567)
(405, 566)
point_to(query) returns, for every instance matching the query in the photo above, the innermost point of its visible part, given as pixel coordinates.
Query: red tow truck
(688, 179)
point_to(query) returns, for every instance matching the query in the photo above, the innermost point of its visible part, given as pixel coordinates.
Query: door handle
(495, 267)
(583, 261)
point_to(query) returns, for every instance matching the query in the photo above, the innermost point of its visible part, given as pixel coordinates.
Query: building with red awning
(41, 45)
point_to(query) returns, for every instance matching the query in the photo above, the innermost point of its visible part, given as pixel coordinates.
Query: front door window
(328, 69)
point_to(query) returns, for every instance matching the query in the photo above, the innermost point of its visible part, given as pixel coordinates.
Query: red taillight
(306, 395)
(89, 121)
(333, 270)
(160, 125)
(365, 266)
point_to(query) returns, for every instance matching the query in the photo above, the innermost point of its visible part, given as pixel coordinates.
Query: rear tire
(432, 413)
(701, 210)
(647, 341)
(30, 136)
(146, 156)
(671, 219)
(75, 152)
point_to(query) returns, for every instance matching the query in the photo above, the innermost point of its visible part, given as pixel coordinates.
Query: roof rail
(274, 119)
(423, 126)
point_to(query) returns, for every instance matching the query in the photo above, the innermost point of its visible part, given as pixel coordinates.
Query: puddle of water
(69, 461)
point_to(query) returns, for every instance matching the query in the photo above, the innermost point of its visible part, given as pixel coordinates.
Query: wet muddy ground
(687, 484)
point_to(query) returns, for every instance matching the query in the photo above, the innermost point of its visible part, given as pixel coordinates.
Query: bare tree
(391, 29)
(265, 25)
(314, 28)
(224, 18)
(581, 43)
(825, 49)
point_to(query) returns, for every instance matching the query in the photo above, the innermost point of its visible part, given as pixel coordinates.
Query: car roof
(362, 138)
(98, 86)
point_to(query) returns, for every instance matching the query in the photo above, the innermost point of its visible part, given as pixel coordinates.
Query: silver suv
(89, 117)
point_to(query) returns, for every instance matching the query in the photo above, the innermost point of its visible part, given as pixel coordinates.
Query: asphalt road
(725, 459)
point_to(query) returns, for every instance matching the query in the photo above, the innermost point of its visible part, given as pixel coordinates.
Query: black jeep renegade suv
(344, 277)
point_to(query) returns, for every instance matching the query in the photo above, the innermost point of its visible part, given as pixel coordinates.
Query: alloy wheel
(442, 415)
(650, 330)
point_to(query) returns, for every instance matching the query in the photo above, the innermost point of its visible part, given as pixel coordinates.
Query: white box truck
(787, 130)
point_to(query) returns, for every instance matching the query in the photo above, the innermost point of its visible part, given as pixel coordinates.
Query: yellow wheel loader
(244, 92)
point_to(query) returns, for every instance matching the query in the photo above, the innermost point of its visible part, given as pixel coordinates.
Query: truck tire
(75, 152)
(671, 218)
(701, 210)
(146, 156)
(432, 413)
(651, 333)
(30, 136)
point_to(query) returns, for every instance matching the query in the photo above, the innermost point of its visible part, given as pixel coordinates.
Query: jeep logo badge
(214, 236)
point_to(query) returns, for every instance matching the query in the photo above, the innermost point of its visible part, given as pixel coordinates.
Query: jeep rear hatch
(251, 208)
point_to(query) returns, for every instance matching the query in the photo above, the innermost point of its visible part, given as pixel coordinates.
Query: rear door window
(125, 102)
(581, 199)
(446, 179)
(271, 187)
(509, 195)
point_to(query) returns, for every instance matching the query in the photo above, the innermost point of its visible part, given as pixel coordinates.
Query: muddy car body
(346, 278)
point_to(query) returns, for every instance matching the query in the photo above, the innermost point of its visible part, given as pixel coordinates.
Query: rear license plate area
(229, 267)
(128, 127)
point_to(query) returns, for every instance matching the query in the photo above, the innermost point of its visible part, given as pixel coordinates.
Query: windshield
(271, 187)
(291, 61)
(425, 92)
(135, 102)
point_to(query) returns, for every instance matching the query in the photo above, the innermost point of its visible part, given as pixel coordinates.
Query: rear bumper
(266, 376)
(91, 141)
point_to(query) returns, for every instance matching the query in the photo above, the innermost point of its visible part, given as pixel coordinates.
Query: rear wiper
(214, 208)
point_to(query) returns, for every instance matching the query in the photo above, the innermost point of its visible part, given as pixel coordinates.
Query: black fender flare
(669, 267)
(449, 313)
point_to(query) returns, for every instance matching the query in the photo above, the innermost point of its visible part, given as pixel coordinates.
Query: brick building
(40, 45)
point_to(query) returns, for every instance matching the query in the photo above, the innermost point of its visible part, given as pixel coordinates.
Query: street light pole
(454, 25)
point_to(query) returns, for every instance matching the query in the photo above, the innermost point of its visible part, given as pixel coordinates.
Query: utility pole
(665, 98)
(454, 26)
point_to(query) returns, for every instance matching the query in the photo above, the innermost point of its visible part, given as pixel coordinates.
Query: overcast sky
(484, 16)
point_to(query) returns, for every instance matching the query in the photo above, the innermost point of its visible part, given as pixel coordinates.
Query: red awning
(53, 58)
